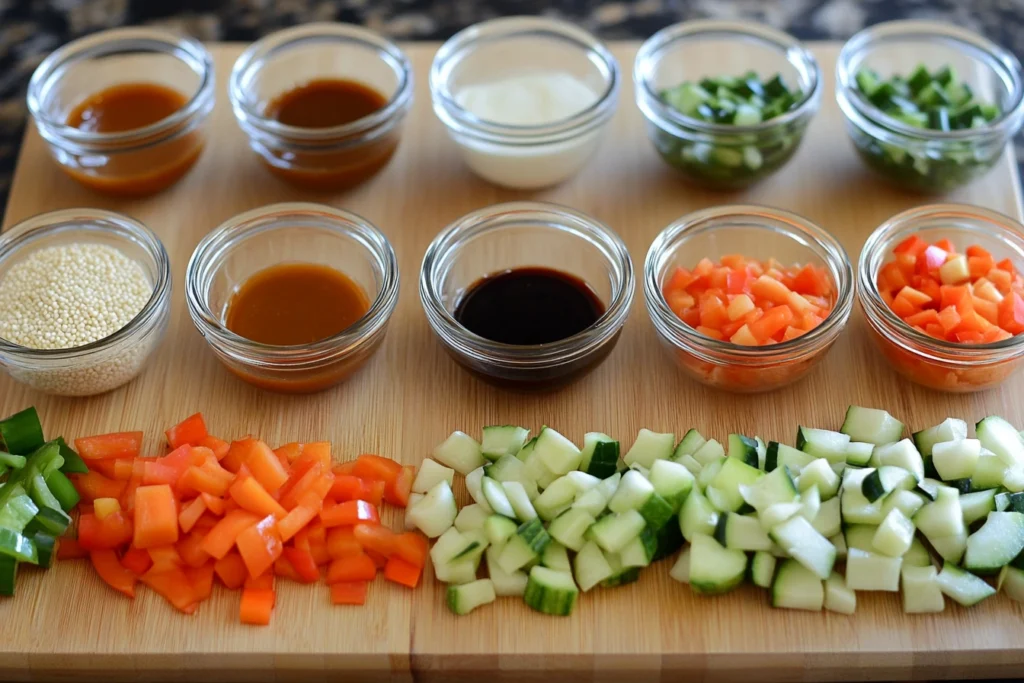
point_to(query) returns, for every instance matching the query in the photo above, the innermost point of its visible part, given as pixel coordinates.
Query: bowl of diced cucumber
(738, 125)
(929, 106)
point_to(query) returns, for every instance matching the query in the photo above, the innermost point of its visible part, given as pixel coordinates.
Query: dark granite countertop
(29, 29)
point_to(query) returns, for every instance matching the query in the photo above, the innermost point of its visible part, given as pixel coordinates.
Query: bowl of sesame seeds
(84, 300)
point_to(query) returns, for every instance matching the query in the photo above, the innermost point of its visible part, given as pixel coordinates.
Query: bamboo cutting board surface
(65, 624)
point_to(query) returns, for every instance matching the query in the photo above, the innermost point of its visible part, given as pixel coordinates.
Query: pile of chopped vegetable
(967, 298)
(936, 100)
(745, 100)
(240, 512)
(931, 514)
(749, 302)
(36, 496)
(931, 101)
(731, 159)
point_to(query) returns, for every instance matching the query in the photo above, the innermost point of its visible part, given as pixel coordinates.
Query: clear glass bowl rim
(531, 215)
(869, 117)
(797, 228)
(878, 314)
(26, 232)
(236, 230)
(458, 119)
(117, 41)
(280, 41)
(655, 110)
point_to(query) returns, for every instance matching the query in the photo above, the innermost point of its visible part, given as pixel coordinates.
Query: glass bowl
(525, 156)
(114, 360)
(720, 155)
(921, 159)
(135, 162)
(292, 233)
(763, 232)
(931, 362)
(331, 158)
(506, 236)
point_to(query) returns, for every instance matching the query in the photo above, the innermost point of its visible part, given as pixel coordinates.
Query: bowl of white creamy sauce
(526, 99)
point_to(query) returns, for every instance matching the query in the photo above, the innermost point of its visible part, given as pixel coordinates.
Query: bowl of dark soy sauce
(527, 295)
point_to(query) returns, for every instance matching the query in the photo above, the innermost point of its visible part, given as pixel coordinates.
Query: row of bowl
(520, 156)
(499, 238)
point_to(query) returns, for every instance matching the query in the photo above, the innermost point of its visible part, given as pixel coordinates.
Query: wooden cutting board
(66, 624)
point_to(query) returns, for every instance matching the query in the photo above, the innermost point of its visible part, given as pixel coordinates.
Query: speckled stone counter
(30, 29)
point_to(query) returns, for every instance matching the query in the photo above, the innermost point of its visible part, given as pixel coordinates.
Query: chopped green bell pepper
(22, 433)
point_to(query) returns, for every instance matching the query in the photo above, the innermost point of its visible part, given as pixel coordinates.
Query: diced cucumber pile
(843, 511)
(938, 100)
(742, 101)
(927, 100)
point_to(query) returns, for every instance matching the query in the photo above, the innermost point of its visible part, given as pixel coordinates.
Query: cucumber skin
(537, 598)
(670, 539)
(626, 576)
(604, 460)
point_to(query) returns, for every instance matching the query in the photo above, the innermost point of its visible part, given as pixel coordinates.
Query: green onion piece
(63, 490)
(22, 432)
(46, 548)
(40, 492)
(22, 549)
(18, 510)
(44, 460)
(8, 575)
(49, 521)
(14, 462)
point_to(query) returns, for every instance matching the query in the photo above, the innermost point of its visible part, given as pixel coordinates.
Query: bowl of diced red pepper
(942, 291)
(747, 298)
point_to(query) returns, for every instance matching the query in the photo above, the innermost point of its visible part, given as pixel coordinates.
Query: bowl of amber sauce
(124, 111)
(293, 297)
(322, 104)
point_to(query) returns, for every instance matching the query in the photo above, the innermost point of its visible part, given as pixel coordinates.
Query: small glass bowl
(136, 162)
(114, 360)
(292, 233)
(718, 155)
(921, 159)
(524, 157)
(507, 236)
(761, 232)
(930, 362)
(332, 158)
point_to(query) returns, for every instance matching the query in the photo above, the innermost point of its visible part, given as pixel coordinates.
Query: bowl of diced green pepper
(928, 106)
(731, 129)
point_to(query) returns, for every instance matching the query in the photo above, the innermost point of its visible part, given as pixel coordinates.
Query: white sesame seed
(70, 295)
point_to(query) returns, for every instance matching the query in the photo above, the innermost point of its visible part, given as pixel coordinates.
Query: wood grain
(65, 624)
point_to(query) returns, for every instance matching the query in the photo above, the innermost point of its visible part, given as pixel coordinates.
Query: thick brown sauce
(150, 167)
(332, 164)
(325, 103)
(295, 303)
(125, 107)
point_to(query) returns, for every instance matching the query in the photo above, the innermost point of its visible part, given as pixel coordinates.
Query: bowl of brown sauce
(293, 297)
(322, 104)
(527, 295)
(124, 111)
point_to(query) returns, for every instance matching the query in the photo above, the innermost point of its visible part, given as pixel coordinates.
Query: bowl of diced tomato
(747, 298)
(942, 292)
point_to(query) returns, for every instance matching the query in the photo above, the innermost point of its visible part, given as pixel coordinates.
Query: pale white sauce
(534, 99)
